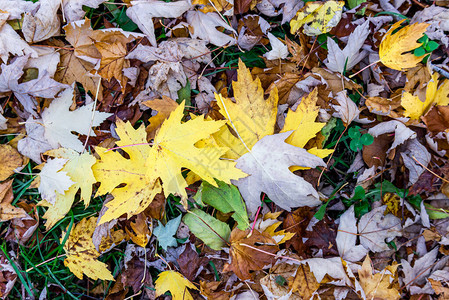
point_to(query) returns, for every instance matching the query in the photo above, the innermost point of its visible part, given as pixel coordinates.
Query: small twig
(94, 107)
(363, 69)
(268, 253)
(44, 262)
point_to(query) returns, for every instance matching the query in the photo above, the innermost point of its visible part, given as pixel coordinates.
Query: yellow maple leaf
(393, 46)
(322, 16)
(174, 148)
(175, 283)
(81, 253)
(113, 169)
(78, 168)
(164, 107)
(380, 285)
(302, 122)
(436, 94)
(251, 116)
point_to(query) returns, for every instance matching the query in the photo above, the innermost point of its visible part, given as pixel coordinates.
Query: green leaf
(120, 17)
(431, 46)
(354, 145)
(165, 233)
(436, 213)
(359, 193)
(185, 94)
(226, 198)
(419, 51)
(354, 132)
(211, 231)
(367, 139)
(355, 3)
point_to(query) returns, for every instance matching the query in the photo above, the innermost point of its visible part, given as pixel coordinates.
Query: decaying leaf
(7, 210)
(81, 253)
(10, 160)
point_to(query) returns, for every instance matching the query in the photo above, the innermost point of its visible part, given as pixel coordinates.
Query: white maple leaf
(350, 55)
(12, 43)
(204, 26)
(59, 121)
(34, 143)
(15, 8)
(142, 13)
(346, 109)
(278, 49)
(268, 165)
(375, 228)
(52, 181)
(347, 238)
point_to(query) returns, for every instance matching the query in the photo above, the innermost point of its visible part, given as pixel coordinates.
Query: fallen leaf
(346, 109)
(59, 122)
(7, 210)
(138, 230)
(379, 285)
(164, 108)
(304, 282)
(73, 9)
(42, 24)
(8, 277)
(53, 180)
(204, 26)
(171, 151)
(211, 231)
(317, 17)
(78, 168)
(245, 259)
(81, 253)
(113, 169)
(165, 233)
(176, 284)
(393, 46)
(268, 165)
(278, 49)
(347, 237)
(437, 119)
(12, 43)
(10, 160)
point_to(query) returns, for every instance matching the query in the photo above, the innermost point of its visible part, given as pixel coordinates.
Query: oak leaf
(268, 165)
(81, 253)
(393, 46)
(317, 17)
(244, 253)
(176, 284)
(79, 168)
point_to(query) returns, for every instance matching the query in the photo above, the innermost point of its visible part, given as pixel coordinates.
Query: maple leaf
(73, 9)
(278, 49)
(78, 168)
(302, 122)
(344, 60)
(165, 233)
(268, 165)
(174, 148)
(176, 284)
(7, 210)
(42, 24)
(10, 160)
(378, 285)
(321, 16)
(393, 46)
(244, 258)
(346, 109)
(250, 116)
(11, 42)
(436, 94)
(347, 237)
(204, 26)
(143, 12)
(53, 180)
(113, 170)
(77, 64)
(164, 107)
(81, 253)
(59, 122)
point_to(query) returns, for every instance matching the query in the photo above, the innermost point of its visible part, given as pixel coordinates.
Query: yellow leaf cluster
(393, 48)
(175, 283)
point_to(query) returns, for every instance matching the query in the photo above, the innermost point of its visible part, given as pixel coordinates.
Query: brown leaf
(296, 222)
(164, 107)
(246, 252)
(113, 61)
(135, 274)
(376, 153)
(8, 211)
(335, 81)
(322, 237)
(22, 229)
(10, 160)
(304, 282)
(118, 291)
(437, 119)
(383, 106)
(241, 6)
(138, 230)
(189, 262)
(214, 290)
(284, 86)
(7, 277)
